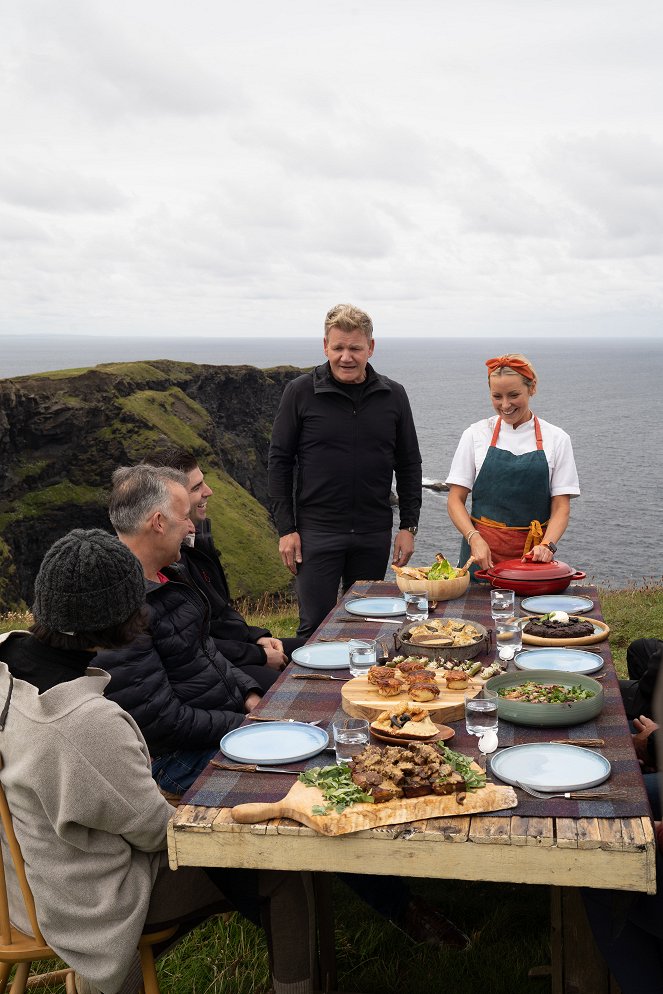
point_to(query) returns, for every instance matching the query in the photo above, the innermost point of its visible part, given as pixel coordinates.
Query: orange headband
(516, 364)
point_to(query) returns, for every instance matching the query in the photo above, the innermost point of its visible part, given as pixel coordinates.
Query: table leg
(326, 936)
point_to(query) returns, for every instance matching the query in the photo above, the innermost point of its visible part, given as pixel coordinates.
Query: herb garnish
(337, 786)
(474, 779)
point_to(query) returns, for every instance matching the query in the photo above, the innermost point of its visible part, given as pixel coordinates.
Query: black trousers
(628, 929)
(330, 559)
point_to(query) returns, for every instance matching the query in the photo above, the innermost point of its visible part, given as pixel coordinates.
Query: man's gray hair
(139, 491)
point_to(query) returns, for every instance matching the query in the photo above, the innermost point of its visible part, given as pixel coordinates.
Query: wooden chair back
(19, 868)
(18, 948)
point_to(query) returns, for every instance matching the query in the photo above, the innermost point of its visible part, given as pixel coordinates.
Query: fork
(290, 721)
(573, 795)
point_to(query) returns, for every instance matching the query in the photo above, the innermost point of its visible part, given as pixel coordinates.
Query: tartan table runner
(309, 700)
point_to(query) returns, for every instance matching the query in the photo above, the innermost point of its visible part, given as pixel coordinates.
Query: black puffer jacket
(346, 452)
(232, 635)
(177, 686)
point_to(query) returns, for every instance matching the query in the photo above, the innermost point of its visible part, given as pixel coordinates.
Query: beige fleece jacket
(88, 816)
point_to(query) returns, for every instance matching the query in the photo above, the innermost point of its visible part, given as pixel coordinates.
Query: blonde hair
(510, 371)
(345, 317)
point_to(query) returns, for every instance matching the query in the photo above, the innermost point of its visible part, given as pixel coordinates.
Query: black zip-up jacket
(176, 685)
(345, 453)
(232, 635)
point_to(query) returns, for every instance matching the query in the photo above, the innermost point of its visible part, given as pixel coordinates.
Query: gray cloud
(57, 190)
(238, 168)
(117, 68)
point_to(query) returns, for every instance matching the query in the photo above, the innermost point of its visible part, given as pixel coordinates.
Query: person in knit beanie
(89, 818)
(89, 585)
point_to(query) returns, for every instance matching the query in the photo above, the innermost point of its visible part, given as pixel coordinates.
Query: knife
(358, 621)
(250, 768)
(318, 676)
(596, 743)
(290, 721)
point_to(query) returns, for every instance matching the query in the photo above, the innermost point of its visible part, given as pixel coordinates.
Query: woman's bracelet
(470, 534)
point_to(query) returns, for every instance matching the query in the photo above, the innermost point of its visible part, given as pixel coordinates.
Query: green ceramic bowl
(548, 715)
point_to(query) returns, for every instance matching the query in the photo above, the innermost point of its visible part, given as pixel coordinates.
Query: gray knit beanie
(88, 581)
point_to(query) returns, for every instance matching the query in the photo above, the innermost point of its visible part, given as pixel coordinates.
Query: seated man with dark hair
(249, 647)
(88, 816)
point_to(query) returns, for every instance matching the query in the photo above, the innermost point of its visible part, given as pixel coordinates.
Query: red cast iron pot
(528, 578)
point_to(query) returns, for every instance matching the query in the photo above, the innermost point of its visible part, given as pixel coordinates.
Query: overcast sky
(454, 167)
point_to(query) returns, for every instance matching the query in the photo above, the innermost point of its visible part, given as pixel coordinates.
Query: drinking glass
(481, 712)
(501, 603)
(416, 607)
(363, 655)
(350, 737)
(509, 635)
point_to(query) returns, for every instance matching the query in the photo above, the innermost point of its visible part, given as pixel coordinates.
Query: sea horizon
(605, 393)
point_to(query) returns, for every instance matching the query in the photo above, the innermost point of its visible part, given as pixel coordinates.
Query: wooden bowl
(436, 590)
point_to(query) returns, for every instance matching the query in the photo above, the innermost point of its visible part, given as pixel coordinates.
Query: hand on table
(276, 657)
(644, 728)
(290, 550)
(251, 700)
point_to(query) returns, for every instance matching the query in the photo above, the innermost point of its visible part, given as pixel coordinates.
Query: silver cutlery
(290, 721)
(318, 676)
(359, 620)
(573, 795)
(252, 768)
(593, 743)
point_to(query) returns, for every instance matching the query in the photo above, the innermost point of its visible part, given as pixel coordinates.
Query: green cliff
(62, 434)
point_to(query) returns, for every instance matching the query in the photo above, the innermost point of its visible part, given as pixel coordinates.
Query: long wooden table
(614, 853)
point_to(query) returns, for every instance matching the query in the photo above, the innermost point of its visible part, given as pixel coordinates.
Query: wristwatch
(412, 529)
(551, 546)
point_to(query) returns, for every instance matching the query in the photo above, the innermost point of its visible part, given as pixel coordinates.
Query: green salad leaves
(442, 569)
(337, 786)
(474, 779)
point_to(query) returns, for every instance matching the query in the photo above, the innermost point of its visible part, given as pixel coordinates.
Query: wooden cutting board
(598, 636)
(300, 799)
(361, 699)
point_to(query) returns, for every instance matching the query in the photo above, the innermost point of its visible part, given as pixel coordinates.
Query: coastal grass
(508, 924)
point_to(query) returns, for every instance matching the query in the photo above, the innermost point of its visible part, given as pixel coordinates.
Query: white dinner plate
(323, 656)
(545, 603)
(376, 607)
(274, 742)
(554, 658)
(550, 766)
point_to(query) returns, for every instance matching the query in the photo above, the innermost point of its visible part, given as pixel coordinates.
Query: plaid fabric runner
(309, 700)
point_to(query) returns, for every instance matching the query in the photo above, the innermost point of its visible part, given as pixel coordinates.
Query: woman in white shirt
(520, 470)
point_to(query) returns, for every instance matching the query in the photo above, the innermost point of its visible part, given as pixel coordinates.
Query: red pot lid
(515, 569)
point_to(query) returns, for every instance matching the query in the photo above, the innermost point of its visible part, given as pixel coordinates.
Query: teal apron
(510, 499)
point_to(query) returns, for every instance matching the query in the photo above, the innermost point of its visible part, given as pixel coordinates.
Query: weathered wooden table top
(616, 853)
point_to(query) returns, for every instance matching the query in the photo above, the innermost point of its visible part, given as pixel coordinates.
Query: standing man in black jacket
(346, 429)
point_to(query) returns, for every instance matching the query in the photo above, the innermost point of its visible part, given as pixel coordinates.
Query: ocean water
(605, 393)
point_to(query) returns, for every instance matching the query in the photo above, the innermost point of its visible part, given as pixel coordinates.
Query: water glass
(509, 636)
(351, 735)
(502, 604)
(363, 655)
(481, 712)
(416, 607)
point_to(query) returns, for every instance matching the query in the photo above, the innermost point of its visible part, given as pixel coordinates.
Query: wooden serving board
(361, 699)
(599, 636)
(300, 799)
